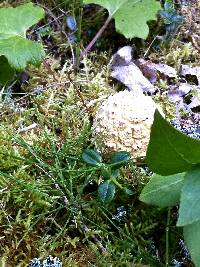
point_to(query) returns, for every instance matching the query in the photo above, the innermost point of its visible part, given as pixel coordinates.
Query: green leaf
(130, 16)
(106, 172)
(120, 159)
(163, 191)
(192, 236)
(189, 211)
(106, 191)
(6, 72)
(115, 172)
(14, 22)
(92, 157)
(170, 151)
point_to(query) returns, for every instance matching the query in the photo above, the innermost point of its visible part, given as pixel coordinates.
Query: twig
(82, 99)
(96, 240)
(78, 47)
(99, 33)
(147, 51)
(28, 128)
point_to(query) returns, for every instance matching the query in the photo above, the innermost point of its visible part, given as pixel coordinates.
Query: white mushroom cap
(123, 122)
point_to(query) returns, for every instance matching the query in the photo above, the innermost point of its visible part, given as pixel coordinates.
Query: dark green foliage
(92, 157)
(18, 51)
(6, 72)
(163, 191)
(171, 152)
(119, 159)
(106, 191)
(109, 172)
(171, 19)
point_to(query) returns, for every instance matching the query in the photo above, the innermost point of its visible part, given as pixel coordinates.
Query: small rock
(179, 96)
(176, 96)
(184, 88)
(48, 262)
(123, 57)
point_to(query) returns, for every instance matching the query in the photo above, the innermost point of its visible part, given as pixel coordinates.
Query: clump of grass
(50, 206)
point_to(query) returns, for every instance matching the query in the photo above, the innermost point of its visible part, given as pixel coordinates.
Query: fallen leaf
(195, 104)
(177, 95)
(177, 92)
(165, 70)
(147, 69)
(153, 71)
(125, 71)
(191, 73)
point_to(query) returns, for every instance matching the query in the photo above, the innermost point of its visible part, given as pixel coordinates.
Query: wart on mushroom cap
(123, 122)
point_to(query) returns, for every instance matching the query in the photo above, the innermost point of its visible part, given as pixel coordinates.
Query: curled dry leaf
(165, 70)
(195, 104)
(153, 71)
(125, 71)
(177, 95)
(191, 72)
(177, 92)
(147, 69)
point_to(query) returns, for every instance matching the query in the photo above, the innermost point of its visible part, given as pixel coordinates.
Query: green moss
(167, 106)
(8, 150)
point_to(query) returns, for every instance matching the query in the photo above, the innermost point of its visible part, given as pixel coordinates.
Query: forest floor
(48, 195)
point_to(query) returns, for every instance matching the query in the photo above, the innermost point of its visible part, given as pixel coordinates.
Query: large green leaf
(106, 191)
(92, 157)
(170, 151)
(163, 191)
(120, 159)
(192, 237)
(130, 16)
(6, 72)
(189, 211)
(14, 22)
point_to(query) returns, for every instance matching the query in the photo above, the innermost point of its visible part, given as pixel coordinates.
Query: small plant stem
(99, 33)
(167, 238)
(115, 182)
(147, 51)
(82, 99)
(96, 240)
(73, 7)
(78, 47)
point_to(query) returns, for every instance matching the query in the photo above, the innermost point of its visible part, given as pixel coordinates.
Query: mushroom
(123, 123)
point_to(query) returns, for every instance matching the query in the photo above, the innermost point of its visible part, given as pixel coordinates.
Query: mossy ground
(48, 196)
